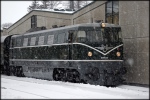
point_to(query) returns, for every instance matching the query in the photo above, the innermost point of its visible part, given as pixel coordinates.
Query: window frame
(33, 21)
(41, 40)
(25, 41)
(33, 41)
(112, 14)
(50, 39)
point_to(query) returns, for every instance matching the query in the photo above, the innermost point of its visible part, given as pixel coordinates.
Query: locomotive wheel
(19, 72)
(55, 74)
(11, 71)
(76, 77)
(72, 76)
(59, 75)
(15, 71)
(8, 72)
(69, 76)
(62, 75)
(66, 75)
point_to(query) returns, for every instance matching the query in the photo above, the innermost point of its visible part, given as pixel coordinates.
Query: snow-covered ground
(29, 88)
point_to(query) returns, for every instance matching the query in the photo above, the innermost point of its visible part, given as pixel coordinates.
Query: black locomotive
(90, 53)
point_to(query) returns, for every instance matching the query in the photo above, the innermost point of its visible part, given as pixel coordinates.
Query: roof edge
(51, 12)
(38, 11)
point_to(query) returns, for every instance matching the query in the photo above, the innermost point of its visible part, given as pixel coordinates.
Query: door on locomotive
(74, 37)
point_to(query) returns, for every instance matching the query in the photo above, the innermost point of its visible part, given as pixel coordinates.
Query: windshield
(111, 34)
(102, 35)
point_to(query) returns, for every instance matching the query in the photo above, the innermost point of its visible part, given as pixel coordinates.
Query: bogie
(70, 75)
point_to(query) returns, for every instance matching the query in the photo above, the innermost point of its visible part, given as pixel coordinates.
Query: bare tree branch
(34, 5)
(6, 25)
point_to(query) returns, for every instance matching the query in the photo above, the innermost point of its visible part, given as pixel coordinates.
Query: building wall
(21, 25)
(91, 13)
(43, 19)
(134, 20)
(48, 19)
(4, 32)
(21, 28)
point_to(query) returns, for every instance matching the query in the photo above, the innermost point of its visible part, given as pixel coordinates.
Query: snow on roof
(5, 27)
(53, 10)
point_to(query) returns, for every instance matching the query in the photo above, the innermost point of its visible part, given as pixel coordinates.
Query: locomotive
(89, 52)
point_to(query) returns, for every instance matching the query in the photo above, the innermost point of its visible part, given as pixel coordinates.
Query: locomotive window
(41, 40)
(50, 39)
(18, 42)
(89, 36)
(33, 39)
(25, 42)
(61, 37)
(112, 34)
(12, 42)
(81, 36)
(93, 36)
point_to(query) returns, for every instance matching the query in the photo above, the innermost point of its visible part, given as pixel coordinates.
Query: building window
(33, 21)
(112, 12)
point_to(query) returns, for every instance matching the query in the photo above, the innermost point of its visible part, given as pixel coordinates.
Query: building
(133, 16)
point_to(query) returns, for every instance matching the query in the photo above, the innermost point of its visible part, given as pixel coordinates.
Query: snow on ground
(29, 88)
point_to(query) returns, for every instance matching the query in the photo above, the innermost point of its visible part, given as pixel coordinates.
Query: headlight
(118, 54)
(103, 25)
(89, 54)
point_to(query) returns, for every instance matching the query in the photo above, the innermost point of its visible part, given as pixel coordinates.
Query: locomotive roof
(67, 27)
